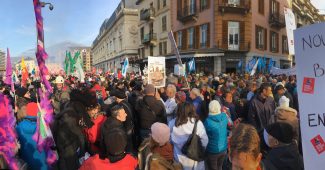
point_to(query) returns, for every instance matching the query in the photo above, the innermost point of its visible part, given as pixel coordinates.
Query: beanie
(214, 107)
(284, 101)
(115, 142)
(118, 93)
(160, 133)
(281, 131)
(31, 109)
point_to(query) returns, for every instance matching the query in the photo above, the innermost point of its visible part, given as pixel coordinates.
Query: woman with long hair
(181, 129)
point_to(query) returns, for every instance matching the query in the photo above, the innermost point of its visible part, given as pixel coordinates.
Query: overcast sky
(320, 4)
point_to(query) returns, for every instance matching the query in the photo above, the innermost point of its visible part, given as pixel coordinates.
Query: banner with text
(290, 26)
(288, 72)
(157, 71)
(310, 64)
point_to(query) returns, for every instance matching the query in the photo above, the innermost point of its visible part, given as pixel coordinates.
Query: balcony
(243, 46)
(188, 13)
(243, 7)
(147, 14)
(277, 21)
(149, 39)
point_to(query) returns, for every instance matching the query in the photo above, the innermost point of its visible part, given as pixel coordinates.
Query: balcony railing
(243, 46)
(147, 14)
(149, 38)
(188, 13)
(243, 7)
(276, 20)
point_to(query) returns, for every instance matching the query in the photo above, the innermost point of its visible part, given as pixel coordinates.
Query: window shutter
(256, 37)
(277, 43)
(208, 4)
(224, 34)
(242, 36)
(265, 39)
(271, 38)
(197, 37)
(208, 35)
(184, 39)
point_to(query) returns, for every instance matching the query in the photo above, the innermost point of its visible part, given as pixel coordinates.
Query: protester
(216, 129)
(261, 108)
(252, 90)
(170, 103)
(244, 148)
(284, 153)
(181, 128)
(150, 110)
(197, 101)
(60, 95)
(115, 142)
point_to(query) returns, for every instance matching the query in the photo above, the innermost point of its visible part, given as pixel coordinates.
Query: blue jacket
(216, 128)
(28, 147)
(197, 102)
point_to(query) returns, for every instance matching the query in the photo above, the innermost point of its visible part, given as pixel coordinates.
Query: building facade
(305, 12)
(193, 24)
(154, 23)
(2, 62)
(86, 55)
(117, 39)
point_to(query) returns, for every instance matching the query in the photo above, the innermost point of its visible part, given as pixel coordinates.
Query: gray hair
(172, 88)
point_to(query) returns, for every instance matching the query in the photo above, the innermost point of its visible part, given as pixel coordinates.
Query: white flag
(254, 68)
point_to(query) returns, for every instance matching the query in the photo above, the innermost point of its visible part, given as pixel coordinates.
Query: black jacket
(260, 112)
(150, 110)
(284, 158)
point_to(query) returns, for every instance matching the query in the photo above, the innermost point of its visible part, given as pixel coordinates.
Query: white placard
(310, 64)
(290, 26)
(288, 72)
(157, 71)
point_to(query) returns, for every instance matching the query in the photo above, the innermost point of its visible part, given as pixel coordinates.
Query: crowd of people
(213, 122)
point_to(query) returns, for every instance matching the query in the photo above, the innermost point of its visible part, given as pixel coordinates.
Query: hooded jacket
(28, 151)
(96, 163)
(284, 158)
(216, 128)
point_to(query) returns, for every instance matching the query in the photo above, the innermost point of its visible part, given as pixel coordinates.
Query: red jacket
(98, 88)
(93, 133)
(95, 163)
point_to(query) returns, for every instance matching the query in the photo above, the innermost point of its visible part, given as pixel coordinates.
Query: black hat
(20, 92)
(279, 87)
(281, 131)
(115, 142)
(87, 99)
(118, 93)
(92, 101)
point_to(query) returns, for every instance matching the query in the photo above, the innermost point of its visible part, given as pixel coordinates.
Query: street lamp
(43, 4)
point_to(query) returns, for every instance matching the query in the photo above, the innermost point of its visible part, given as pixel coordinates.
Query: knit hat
(115, 142)
(214, 107)
(31, 109)
(160, 133)
(279, 87)
(21, 92)
(149, 89)
(118, 93)
(181, 96)
(284, 101)
(216, 78)
(281, 131)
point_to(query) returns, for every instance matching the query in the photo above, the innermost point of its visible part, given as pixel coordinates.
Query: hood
(218, 117)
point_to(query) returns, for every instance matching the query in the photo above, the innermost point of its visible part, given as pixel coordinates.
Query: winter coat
(260, 112)
(28, 147)
(68, 134)
(60, 97)
(216, 129)
(284, 158)
(180, 135)
(156, 113)
(129, 125)
(95, 163)
(197, 102)
(93, 133)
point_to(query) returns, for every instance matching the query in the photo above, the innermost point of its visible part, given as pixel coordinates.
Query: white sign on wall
(310, 64)
(290, 26)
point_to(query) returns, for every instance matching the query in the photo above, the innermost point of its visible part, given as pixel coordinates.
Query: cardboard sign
(310, 65)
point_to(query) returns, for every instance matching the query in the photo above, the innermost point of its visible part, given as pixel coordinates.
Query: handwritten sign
(310, 50)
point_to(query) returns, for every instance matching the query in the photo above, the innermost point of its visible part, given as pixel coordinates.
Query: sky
(320, 4)
(71, 20)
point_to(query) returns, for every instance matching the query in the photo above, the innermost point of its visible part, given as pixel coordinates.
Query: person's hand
(157, 95)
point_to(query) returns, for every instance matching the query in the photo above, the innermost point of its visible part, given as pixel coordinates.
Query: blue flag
(271, 64)
(250, 65)
(191, 65)
(125, 67)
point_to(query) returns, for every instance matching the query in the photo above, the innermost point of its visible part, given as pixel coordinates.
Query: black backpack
(193, 148)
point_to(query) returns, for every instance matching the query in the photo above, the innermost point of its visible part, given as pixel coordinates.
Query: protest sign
(180, 71)
(288, 72)
(290, 26)
(157, 71)
(310, 64)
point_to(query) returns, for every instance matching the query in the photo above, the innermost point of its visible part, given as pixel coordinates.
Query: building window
(151, 50)
(204, 35)
(191, 37)
(274, 7)
(192, 7)
(160, 48)
(233, 35)
(158, 4)
(234, 2)
(274, 42)
(164, 23)
(142, 33)
(204, 4)
(163, 48)
(164, 3)
(261, 7)
(260, 35)
(285, 48)
(179, 39)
